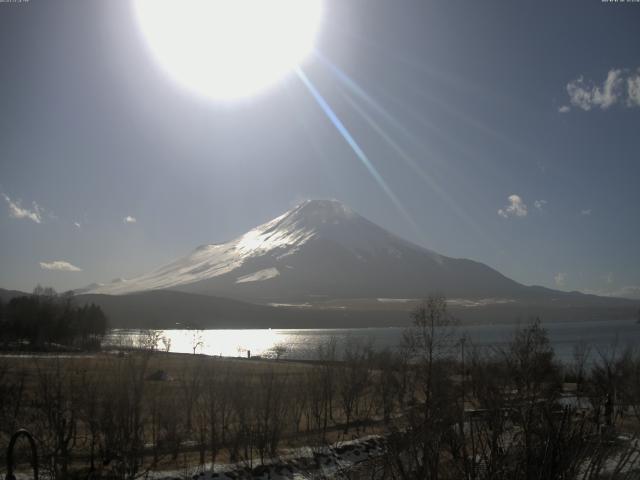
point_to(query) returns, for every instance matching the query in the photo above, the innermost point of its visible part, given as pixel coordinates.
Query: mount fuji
(322, 250)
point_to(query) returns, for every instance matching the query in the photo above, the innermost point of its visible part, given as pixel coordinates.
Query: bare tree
(122, 416)
(12, 388)
(212, 414)
(416, 443)
(57, 426)
(190, 380)
(581, 354)
(315, 411)
(327, 354)
(270, 412)
(298, 400)
(631, 390)
(353, 378)
(386, 383)
(611, 370)
(88, 412)
(149, 340)
(279, 350)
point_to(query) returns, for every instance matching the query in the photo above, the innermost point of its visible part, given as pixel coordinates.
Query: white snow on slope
(283, 236)
(278, 238)
(259, 276)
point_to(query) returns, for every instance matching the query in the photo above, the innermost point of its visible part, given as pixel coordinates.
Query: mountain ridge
(171, 309)
(323, 249)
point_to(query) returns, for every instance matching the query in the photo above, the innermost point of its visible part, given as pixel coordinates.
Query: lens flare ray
(362, 156)
(401, 152)
(361, 94)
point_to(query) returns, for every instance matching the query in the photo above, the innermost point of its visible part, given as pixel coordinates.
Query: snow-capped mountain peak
(318, 248)
(320, 212)
(281, 236)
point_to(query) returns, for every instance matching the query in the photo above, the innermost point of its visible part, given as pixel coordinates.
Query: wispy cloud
(620, 87)
(560, 279)
(59, 265)
(539, 204)
(16, 210)
(633, 90)
(586, 212)
(129, 219)
(516, 207)
(77, 225)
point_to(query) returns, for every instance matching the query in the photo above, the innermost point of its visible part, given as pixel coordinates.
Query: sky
(505, 132)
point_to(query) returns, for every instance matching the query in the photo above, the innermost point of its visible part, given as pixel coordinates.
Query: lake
(303, 344)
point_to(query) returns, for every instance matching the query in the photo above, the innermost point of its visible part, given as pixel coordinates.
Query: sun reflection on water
(226, 343)
(305, 344)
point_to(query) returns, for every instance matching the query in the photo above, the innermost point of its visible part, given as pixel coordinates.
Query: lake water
(303, 344)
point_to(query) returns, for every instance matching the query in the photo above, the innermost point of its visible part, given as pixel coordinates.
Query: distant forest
(48, 320)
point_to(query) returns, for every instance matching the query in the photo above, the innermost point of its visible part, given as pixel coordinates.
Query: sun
(228, 49)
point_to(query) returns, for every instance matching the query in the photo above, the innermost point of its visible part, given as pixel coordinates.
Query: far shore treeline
(47, 320)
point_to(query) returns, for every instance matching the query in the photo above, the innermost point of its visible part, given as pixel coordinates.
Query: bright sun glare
(227, 49)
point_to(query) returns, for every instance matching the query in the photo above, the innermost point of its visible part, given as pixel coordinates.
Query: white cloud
(59, 265)
(77, 224)
(516, 207)
(585, 95)
(610, 90)
(633, 90)
(621, 87)
(561, 279)
(129, 219)
(17, 211)
(539, 204)
(585, 212)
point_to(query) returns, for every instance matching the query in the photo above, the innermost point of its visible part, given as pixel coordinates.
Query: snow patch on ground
(331, 461)
(259, 276)
(294, 305)
(483, 302)
(395, 300)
